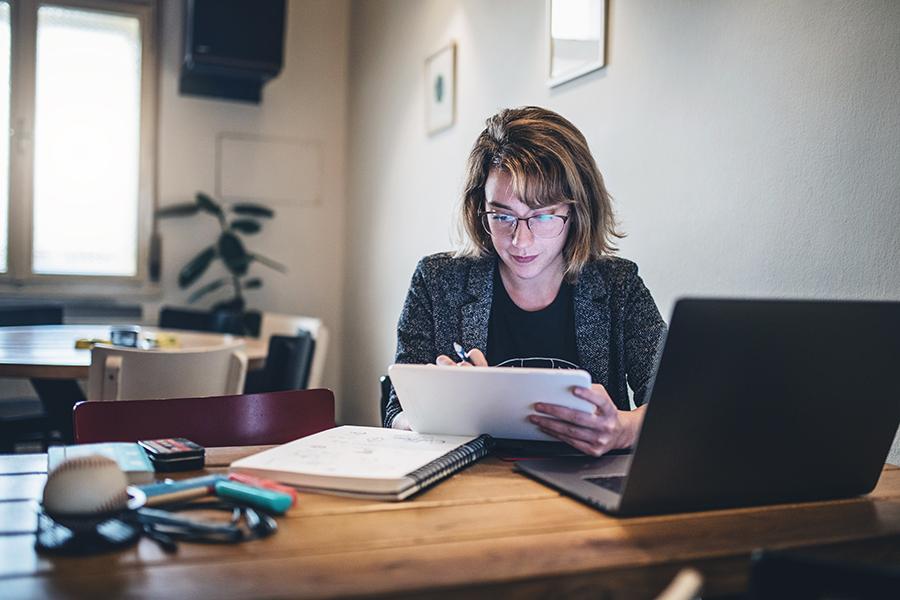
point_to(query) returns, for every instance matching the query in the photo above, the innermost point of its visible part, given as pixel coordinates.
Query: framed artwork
(577, 38)
(440, 89)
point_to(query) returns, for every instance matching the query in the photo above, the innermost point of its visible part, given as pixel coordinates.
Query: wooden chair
(243, 420)
(281, 324)
(185, 318)
(220, 321)
(288, 361)
(118, 373)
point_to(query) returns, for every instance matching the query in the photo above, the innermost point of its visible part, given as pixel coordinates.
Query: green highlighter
(267, 500)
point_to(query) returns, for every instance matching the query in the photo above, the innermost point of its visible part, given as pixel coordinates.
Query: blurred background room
(751, 147)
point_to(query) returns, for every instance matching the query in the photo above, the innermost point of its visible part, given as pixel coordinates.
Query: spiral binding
(451, 462)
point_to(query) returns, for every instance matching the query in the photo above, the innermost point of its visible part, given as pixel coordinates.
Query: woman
(537, 281)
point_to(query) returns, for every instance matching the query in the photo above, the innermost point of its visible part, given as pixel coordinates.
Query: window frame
(19, 277)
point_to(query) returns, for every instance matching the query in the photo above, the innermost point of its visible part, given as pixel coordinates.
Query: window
(77, 94)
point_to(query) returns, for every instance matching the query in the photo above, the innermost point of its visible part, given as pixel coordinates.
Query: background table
(485, 533)
(48, 351)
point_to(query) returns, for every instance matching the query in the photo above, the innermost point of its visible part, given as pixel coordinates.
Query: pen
(179, 491)
(464, 356)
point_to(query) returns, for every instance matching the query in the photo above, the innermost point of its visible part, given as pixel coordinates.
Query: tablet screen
(474, 400)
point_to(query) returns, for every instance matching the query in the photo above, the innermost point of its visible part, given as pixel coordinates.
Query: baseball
(85, 486)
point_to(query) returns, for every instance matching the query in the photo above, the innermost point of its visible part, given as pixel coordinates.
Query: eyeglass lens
(543, 226)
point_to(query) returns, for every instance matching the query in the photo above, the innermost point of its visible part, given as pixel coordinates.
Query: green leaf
(245, 225)
(269, 263)
(232, 251)
(252, 284)
(196, 267)
(185, 209)
(253, 210)
(209, 287)
(209, 205)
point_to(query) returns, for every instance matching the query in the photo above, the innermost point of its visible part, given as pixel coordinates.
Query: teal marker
(267, 500)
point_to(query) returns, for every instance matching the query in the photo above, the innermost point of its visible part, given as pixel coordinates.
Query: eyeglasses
(499, 224)
(166, 527)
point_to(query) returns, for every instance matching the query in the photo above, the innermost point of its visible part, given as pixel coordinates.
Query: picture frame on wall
(577, 38)
(440, 89)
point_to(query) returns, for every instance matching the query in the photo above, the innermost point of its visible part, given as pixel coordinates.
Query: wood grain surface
(485, 532)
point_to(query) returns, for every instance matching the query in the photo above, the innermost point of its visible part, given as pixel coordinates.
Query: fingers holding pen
(473, 357)
(477, 358)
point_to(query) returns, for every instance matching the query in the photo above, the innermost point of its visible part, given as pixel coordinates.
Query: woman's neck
(531, 294)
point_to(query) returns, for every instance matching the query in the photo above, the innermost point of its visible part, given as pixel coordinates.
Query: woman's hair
(549, 162)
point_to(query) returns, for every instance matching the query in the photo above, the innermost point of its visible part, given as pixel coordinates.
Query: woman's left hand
(607, 428)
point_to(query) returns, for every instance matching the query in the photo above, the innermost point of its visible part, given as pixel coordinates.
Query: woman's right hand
(476, 359)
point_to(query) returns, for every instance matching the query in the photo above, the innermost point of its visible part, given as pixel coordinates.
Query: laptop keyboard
(613, 484)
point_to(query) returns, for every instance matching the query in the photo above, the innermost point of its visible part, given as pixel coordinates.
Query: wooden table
(48, 351)
(485, 533)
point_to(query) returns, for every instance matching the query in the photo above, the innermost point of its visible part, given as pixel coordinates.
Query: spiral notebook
(366, 462)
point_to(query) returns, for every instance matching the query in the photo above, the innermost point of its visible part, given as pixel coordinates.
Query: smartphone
(174, 454)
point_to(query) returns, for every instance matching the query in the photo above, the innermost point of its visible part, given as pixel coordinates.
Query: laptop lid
(765, 401)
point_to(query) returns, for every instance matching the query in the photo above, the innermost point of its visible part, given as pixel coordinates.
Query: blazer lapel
(477, 311)
(592, 323)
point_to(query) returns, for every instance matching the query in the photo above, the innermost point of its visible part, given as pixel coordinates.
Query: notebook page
(356, 452)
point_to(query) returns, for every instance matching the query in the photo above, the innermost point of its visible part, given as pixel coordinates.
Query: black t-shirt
(548, 333)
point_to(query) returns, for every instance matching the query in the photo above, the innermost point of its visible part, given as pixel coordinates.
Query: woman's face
(525, 257)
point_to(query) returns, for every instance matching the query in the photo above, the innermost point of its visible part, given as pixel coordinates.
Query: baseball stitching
(86, 463)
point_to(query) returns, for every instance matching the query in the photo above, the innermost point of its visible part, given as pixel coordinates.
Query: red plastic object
(243, 420)
(266, 484)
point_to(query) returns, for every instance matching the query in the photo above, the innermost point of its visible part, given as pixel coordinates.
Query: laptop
(754, 402)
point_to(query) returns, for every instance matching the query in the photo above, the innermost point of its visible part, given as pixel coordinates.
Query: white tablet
(473, 400)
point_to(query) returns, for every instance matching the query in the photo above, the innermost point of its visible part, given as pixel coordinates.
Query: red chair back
(243, 420)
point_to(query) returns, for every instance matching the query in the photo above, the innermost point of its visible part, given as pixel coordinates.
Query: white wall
(306, 102)
(752, 147)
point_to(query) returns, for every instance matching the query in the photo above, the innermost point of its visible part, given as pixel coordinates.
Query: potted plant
(239, 219)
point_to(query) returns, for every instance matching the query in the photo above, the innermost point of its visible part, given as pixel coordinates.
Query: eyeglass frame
(484, 213)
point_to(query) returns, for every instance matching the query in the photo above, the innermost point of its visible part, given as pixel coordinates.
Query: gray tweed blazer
(618, 328)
